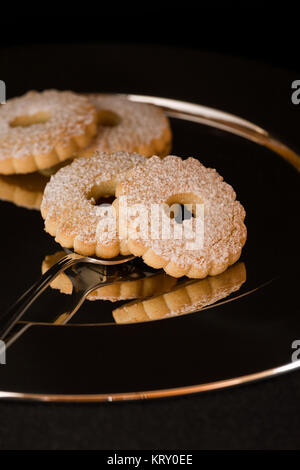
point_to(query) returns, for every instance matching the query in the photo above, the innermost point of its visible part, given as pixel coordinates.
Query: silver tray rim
(229, 123)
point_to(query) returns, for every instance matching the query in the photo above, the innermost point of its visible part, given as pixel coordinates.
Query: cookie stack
(77, 216)
(111, 192)
(41, 132)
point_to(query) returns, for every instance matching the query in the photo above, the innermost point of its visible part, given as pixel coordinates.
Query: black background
(264, 31)
(260, 416)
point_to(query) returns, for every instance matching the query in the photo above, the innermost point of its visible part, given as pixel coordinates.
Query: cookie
(192, 296)
(23, 190)
(139, 288)
(206, 243)
(130, 127)
(70, 208)
(54, 169)
(39, 130)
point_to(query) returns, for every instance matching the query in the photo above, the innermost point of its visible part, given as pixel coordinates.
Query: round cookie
(39, 130)
(190, 297)
(140, 288)
(217, 223)
(23, 190)
(70, 208)
(127, 126)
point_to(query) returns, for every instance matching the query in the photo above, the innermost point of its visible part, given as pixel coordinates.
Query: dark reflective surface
(252, 333)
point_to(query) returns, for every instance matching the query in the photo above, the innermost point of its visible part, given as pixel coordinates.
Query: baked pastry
(140, 288)
(207, 243)
(70, 208)
(127, 126)
(39, 130)
(23, 190)
(182, 299)
(54, 169)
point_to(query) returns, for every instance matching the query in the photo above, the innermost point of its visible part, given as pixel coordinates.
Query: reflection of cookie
(140, 288)
(39, 130)
(130, 127)
(217, 221)
(69, 204)
(23, 190)
(193, 296)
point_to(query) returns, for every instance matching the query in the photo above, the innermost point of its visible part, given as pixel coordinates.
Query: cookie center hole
(108, 118)
(183, 207)
(179, 212)
(27, 120)
(108, 200)
(102, 194)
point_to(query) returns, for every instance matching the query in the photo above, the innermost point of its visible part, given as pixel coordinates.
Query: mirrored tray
(161, 336)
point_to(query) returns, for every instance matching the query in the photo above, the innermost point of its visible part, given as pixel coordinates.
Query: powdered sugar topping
(138, 124)
(69, 196)
(67, 115)
(159, 181)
